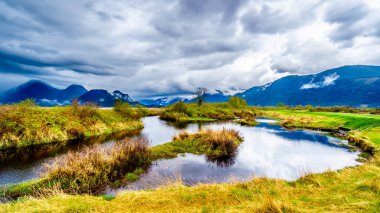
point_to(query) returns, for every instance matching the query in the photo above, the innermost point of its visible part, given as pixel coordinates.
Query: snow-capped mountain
(103, 98)
(46, 95)
(344, 86)
(161, 101)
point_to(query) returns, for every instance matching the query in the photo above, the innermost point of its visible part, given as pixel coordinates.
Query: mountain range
(46, 95)
(356, 86)
(161, 102)
(344, 86)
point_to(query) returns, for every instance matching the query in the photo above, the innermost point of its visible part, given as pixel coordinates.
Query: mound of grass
(26, 124)
(91, 169)
(215, 144)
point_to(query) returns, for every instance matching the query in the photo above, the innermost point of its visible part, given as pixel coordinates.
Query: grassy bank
(25, 124)
(349, 190)
(92, 169)
(181, 112)
(363, 129)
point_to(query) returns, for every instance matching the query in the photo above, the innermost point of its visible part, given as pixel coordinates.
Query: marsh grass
(219, 146)
(26, 124)
(181, 112)
(347, 190)
(93, 168)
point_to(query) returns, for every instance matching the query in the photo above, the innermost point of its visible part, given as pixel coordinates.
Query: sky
(170, 47)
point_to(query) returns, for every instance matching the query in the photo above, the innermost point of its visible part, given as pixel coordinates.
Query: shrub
(26, 104)
(123, 108)
(142, 111)
(179, 107)
(84, 111)
(237, 102)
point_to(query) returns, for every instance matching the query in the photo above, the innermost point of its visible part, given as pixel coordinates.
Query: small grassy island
(235, 109)
(72, 184)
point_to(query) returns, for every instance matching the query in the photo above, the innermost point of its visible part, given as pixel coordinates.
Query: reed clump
(215, 144)
(220, 143)
(93, 168)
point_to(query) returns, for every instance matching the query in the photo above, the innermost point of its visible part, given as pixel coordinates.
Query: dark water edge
(36, 152)
(23, 164)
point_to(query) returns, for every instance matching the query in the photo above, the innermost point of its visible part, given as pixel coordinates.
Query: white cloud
(327, 81)
(171, 47)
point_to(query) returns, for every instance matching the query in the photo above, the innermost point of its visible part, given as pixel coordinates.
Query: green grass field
(367, 124)
(354, 189)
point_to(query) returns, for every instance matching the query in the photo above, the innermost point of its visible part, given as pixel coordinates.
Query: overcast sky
(166, 47)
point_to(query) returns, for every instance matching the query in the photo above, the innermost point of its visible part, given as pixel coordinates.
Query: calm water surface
(268, 150)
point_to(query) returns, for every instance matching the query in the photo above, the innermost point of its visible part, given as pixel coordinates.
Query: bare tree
(200, 95)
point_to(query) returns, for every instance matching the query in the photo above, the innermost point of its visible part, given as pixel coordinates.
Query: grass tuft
(91, 169)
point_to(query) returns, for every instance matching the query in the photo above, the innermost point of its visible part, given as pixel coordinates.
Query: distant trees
(200, 94)
(237, 102)
(180, 107)
(123, 108)
(281, 104)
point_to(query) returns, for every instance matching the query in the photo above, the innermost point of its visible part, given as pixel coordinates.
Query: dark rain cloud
(353, 19)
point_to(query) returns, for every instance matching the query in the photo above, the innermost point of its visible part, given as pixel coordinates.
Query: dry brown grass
(93, 168)
(219, 146)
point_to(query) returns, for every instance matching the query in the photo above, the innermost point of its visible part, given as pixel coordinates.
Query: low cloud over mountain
(171, 47)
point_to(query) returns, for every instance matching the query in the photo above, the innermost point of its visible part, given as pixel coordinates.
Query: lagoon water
(268, 150)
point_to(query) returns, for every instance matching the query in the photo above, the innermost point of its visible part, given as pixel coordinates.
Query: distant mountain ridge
(103, 98)
(43, 93)
(46, 95)
(161, 102)
(356, 86)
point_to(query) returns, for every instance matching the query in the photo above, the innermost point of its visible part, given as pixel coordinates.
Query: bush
(27, 104)
(179, 107)
(142, 111)
(127, 111)
(237, 102)
(84, 111)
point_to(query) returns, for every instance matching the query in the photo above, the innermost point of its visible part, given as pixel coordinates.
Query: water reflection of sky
(268, 151)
